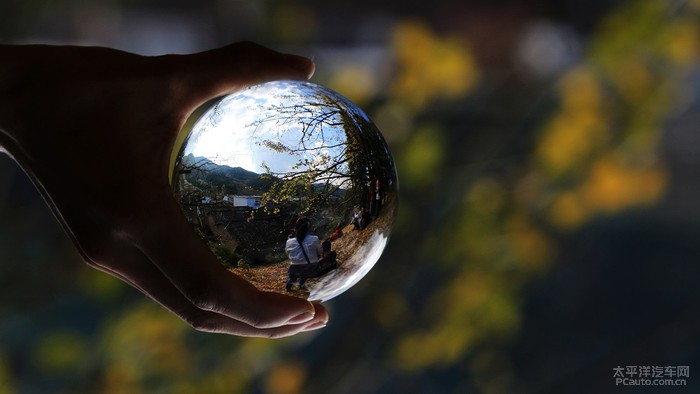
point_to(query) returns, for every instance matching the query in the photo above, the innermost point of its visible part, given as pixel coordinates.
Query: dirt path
(274, 276)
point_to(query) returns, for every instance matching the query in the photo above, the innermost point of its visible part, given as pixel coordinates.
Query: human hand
(94, 128)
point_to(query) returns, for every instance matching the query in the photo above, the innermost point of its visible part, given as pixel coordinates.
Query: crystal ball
(291, 186)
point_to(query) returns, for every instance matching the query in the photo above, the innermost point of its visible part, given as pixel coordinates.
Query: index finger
(206, 75)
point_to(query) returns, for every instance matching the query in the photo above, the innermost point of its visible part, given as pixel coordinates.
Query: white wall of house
(246, 201)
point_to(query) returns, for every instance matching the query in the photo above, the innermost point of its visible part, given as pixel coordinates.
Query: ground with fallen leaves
(273, 277)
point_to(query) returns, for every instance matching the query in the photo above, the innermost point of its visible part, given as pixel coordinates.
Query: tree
(338, 155)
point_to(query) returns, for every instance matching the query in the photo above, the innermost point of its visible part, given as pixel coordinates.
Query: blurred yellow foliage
(486, 195)
(293, 23)
(597, 153)
(614, 173)
(492, 371)
(258, 348)
(99, 285)
(476, 236)
(580, 90)
(569, 139)
(482, 235)
(7, 384)
(579, 129)
(144, 343)
(639, 144)
(633, 79)
(430, 67)
(632, 29)
(474, 306)
(567, 211)
(355, 82)
(60, 352)
(286, 378)
(531, 247)
(394, 120)
(224, 379)
(390, 310)
(612, 185)
(681, 41)
(122, 379)
(422, 157)
(436, 347)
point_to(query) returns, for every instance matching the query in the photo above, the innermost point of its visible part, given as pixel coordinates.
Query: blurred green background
(549, 225)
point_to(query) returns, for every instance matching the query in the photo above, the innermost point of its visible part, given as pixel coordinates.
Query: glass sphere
(255, 165)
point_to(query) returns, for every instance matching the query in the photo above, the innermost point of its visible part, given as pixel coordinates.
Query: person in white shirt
(303, 250)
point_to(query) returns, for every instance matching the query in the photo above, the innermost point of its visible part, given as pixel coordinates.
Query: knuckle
(276, 334)
(202, 299)
(270, 334)
(239, 303)
(255, 316)
(255, 320)
(201, 322)
(202, 290)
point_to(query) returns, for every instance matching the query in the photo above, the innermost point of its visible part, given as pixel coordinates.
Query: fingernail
(301, 318)
(302, 64)
(315, 326)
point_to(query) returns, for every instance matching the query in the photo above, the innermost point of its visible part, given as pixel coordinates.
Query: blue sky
(231, 137)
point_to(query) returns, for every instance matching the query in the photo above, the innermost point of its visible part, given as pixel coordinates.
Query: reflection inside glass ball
(291, 186)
